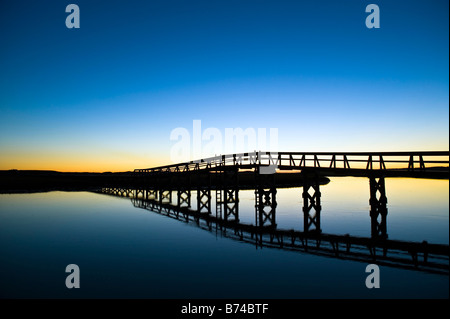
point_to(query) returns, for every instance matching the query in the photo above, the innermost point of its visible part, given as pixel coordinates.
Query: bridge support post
(183, 182)
(151, 194)
(204, 200)
(231, 194)
(378, 207)
(139, 191)
(265, 199)
(165, 194)
(311, 203)
(184, 197)
(204, 196)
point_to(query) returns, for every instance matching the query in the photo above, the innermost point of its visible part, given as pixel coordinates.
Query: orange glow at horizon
(110, 160)
(81, 162)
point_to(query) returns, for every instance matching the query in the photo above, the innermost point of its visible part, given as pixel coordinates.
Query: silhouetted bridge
(386, 164)
(222, 174)
(154, 188)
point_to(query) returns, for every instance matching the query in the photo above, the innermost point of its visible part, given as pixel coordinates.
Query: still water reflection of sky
(123, 251)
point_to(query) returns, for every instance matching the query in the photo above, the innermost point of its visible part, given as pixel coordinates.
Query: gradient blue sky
(106, 97)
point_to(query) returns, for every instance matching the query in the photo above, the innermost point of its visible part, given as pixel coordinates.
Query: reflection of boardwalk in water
(420, 256)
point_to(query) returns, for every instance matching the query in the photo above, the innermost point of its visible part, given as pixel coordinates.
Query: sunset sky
(106, 96)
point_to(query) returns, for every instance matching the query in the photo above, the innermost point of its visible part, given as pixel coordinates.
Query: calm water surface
(127, 252)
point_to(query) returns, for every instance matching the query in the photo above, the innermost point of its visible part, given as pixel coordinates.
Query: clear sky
(106, 96)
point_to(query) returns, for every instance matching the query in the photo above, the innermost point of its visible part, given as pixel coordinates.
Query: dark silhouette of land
(24, 181)
(240, 171)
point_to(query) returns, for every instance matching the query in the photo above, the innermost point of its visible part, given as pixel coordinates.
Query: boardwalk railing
(367, 161)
